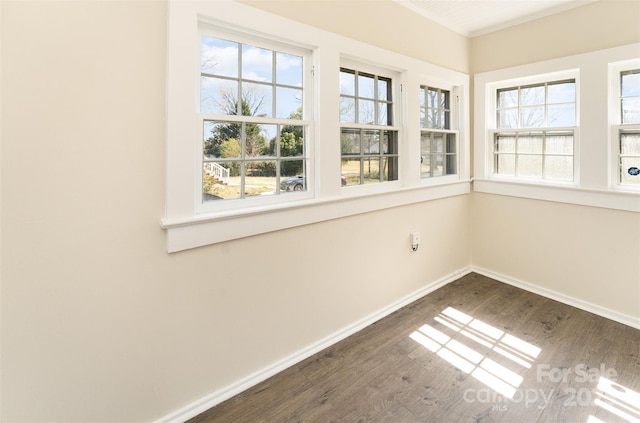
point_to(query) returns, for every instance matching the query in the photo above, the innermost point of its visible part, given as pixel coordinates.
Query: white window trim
(188, 227)
(592, 151)
(615, 69)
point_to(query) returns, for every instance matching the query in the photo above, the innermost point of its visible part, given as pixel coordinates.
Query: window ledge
(617, 200)
(195, 231)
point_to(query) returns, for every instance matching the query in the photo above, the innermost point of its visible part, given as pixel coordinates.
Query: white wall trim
(565, 299)
(608, 199)
(199, 406)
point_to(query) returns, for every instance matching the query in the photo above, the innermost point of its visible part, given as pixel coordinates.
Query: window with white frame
(628, 132)
(535, 131)
(368, 137)
(243, 125)
(438, 141)
(254, 137)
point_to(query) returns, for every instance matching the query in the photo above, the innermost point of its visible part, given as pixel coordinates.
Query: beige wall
(596, 26)
(99, 323)
(586, 253)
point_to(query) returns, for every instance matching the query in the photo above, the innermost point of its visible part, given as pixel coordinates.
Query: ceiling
(478, 17)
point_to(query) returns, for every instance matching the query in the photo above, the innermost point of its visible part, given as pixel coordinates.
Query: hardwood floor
(475, 350)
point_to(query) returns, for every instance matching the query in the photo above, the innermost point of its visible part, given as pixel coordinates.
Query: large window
(269, 119)
(368, 137)
(629, 128)
(254, 138)
(438, 142)
(535, 133)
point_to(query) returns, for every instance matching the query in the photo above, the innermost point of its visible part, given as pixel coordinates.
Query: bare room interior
(320, 211)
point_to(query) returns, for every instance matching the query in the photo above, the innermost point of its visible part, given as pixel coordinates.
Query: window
(254, 138)
(251, 149)
(553, 130)
(368, 137)
(629, 128)
(438, 142)
(535, 131)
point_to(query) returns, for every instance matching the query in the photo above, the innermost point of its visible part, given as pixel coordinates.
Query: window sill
(617, 200)
(196, 231)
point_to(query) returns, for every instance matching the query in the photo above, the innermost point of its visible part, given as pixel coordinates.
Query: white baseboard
(215, 398)
(565, 299)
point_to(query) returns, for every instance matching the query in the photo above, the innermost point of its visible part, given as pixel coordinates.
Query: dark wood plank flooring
(476, 350)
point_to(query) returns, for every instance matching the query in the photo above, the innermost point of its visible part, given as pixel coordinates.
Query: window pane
(292, 168)
(423, 108)
(559, 144)
(257, 64)
(288, 103)
(288, 69)
(630, 83)
(222, 139)
(433, 118)
(425, 143)
(451, 164)
(529, 166)
(505, 144)
(561, 115)
(219, 57)
(366, 112)
(366, 86)
(384, 114)
(444, 99)
(531, 96)
(630, 144)
(292, 176)
(508, 98)
(425, 166)
(220, 181)
(630, 110)
(371, 142)
(530, 144)
(219, 96)
(260, 178)
(432, 98)
(384, 89)
(350, 169)
(389, 142)
(256, 137)
(630, 170)
(347, 110)
(532, 117)
(350, 141)
(257, 100)
(347, 83)
(291, 141)
(562, 92)
(558, 168)
(451, 144)
(445, 122)
(371, 169)
(437, 143)
(508, 118)
(437, 164)
(389, 168)
(505, 164)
